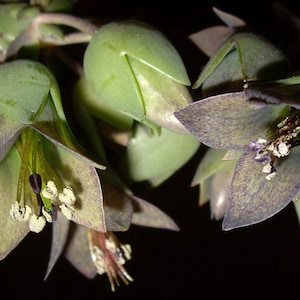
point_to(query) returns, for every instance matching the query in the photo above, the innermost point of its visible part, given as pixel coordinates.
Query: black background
(200, 261)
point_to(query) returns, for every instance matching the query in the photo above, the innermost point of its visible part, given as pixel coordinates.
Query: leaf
(60, 229)
(12, 232)
(77, 251)
(155, 158)
(146, 214)
(227, 121)
(253, 198)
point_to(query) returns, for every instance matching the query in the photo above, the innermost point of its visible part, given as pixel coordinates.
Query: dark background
(200, 261)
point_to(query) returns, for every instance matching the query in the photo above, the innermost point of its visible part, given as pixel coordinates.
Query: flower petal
(24, 103)
(10, 130)
(108, 69)
(253, 198)
(77, 251)
(60, 230)
(209, 165)
(154, 158)
(147, 214)
(227, 121)
(83, 178)
(117, 207)
(12, 232)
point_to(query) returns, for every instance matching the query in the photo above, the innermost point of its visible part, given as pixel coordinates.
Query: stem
(65, 19)
(85, 28)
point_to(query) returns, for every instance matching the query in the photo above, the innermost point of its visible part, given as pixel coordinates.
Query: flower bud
(134, 69)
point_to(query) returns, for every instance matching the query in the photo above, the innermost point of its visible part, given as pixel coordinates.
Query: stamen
(68, 211)
(50, 192)
(47, 215)
(37, 223)
(67, 196)
(108, 256)
(281, 150)
(20, 213)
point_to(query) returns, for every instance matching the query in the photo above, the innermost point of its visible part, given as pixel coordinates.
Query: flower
(137, 75)
(109, 256)
(46, 178)
(41, 160)
(266, 176)
(241, 112)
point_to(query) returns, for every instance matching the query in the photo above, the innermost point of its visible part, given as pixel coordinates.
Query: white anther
(20, 213)
(50, 192)
(270, 176)
(281, 150)
(97, 257)
(67, 196)
(47, 215)
(267, 169)
(37, 223)
(67, 211)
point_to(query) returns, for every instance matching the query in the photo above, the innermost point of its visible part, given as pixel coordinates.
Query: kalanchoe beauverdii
(44, 175)
(266, 176)
(243, 111)
(38, 152)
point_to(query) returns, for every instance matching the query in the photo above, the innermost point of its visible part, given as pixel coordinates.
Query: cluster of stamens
(287, 137)
(65, 200)
(109, 256)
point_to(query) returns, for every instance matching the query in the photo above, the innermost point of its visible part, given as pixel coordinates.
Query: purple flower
(267, 173)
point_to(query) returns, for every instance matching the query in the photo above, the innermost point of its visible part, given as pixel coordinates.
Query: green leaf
(228, 121)
(253, 198)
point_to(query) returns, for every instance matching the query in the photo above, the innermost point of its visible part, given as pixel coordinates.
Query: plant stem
(86, 31)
